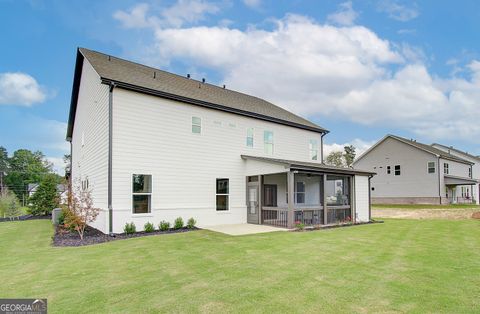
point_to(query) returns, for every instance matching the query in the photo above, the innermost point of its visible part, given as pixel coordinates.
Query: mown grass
(419, 206)
(427, 266)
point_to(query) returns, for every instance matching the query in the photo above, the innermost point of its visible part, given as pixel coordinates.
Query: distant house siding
(414, 180)
(362, 202)
(154, 136)
(90, 160)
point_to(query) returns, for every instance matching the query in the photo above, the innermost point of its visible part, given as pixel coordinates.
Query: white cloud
(345, 16)
(252, 3)
(58, 165)
(320, 70)
(360, 146)
(398, 11)
(20, 89)
(180, 13)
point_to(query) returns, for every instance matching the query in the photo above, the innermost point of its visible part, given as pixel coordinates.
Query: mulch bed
(91, 236)
(25, 217)
(322, 227)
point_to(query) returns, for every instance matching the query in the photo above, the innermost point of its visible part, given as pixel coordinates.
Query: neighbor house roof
(309, 166)
(458, 151)
(424, 147)
(141, 78)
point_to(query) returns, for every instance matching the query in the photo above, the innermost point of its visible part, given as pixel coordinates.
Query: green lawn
(419, 206)
(420, 266)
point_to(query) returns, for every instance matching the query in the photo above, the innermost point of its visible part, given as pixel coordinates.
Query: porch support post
(260, 198)
(291, 199)
(325, 209)
(353, 210)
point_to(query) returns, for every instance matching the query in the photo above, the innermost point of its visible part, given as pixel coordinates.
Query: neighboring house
(61, 189)
(155, 146)
(465, 192)
(409, 172)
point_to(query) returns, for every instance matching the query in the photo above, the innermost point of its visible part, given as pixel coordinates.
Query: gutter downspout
(110, 139)
(369, 198)
(321, 144)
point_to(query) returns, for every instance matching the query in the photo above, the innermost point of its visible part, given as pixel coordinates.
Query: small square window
(389, 170)
(397, 170)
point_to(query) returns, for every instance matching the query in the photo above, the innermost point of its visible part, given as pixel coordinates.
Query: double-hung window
(313, 147)
(268, 142)
(300, 193)
(397, 170)
(431, 167)
(196, 125)
(222, 194)
(142, 193)
(445, 168)
(250, 137)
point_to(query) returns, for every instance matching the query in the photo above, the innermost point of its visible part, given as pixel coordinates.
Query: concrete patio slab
(243, 229)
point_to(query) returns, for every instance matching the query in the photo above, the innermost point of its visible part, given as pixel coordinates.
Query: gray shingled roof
(118, 70)
(458, 151)
(431, 149)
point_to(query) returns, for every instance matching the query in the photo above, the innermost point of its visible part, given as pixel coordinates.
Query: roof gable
(134, 76)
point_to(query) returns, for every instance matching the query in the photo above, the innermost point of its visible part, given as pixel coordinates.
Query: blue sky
(358, 68)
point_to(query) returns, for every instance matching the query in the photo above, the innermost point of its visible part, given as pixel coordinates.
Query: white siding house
(155, 146)
(411, 172)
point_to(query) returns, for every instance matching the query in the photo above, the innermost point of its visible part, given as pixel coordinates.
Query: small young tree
(335, 159)
(80, 210)
(46, 198)
(349, 155)
(13, 210)
(6, 199)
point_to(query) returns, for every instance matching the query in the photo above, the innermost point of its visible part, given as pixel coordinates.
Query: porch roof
(453, 180)
(309, 166)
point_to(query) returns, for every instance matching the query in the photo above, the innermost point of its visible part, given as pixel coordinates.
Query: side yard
(399, 266)
(407, 211)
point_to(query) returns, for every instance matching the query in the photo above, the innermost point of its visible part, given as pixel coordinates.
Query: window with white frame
(431, 167)
(250, 137)
(445, 168)
(313, 147)
(268, 142)
(397, 170)
(300, 192)
(196, 125)
(222, 194)
(141, 193)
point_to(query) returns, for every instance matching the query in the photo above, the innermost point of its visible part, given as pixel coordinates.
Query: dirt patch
(91, 236)
(441, 213)
(476, 215)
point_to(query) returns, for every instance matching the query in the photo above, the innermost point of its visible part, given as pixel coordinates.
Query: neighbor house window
(445, 168)
(397, 170)
(270, 195)
(313, 146)
(431, 167)
(142, 193)
(389, 169)
(222, 194)
(469, 172)
(268, 142)
(196, 125)
(300, 193)
(250, 137)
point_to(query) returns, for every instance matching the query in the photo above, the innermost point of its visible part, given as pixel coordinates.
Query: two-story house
(409, 172)
(152, 146)
(465, 193)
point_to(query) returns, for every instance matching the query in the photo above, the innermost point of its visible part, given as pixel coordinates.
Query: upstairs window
(389, 170)
(222, 194)
(250, 137)
(142, 193)
(268, 142)
(397, 170)
(196, 125)
(445, 168)
(431, 167)
(313, 147)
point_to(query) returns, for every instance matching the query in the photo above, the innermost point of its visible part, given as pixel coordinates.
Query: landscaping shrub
(46, 198)
(164, 225)
(299, 225)
(129, 228)
(149, 227)
(13, 210)
(191, 223)
(178, 223)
